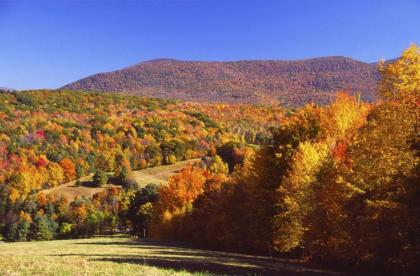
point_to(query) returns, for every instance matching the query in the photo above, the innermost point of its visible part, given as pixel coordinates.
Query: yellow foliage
(294, 194)
(401, 83)
(56, 174)
(171, 159)
(401, 79)
(14, 195)
(218, 166)
(25, 217)
(166, 216)
(306, 162)
(344, 115)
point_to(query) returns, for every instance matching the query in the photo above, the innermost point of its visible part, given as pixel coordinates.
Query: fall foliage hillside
(290, 83)
(335, 184)
(157, 175)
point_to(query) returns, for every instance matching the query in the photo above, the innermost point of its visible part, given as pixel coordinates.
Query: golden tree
(401, 83)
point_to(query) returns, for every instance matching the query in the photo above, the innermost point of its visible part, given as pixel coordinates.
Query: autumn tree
(55, 174)
(218, 166)
(364, 212)
(208, 222)
(384, 162)
(175, 199)
(400, 83)
(69, 169)
(100, 178)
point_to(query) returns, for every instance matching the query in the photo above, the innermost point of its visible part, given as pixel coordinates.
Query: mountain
(7, 89)
(260, 82)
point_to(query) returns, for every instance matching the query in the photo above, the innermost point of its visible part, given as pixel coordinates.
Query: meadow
(155, 175)
(121, 255)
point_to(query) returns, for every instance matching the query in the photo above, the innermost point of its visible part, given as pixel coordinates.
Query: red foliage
(339, 151)
(40, 134)
(41, 162)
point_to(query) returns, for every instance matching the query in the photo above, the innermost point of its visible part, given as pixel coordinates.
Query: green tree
(44, 228)
(140, 210)
(100, 178)
(65, 230)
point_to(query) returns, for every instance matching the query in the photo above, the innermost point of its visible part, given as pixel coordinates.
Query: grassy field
(120, 255)
(70, 191)
(161, 174)
(157, 175)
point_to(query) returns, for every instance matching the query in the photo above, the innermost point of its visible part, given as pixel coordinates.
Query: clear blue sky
(46, 44)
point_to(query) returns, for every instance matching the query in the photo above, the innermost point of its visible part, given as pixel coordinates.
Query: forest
(289, 83)
(51, 137)
(335, 184)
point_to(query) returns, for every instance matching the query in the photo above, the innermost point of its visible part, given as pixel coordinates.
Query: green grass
(78, 257)
(120, 255)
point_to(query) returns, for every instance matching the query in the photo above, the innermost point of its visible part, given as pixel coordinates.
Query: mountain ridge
(287, 82)
(8, 89)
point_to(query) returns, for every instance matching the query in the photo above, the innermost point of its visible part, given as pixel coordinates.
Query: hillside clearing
(156, 175)
(120, 255)
(160, 174)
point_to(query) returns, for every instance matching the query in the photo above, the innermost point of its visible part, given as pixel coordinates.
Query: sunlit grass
(77, 257)
(160, 174)
(121, 255)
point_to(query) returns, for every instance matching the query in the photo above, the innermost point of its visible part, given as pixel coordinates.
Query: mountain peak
(289, 82)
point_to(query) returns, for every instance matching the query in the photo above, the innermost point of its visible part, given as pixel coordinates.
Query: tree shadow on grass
(89, 184)
(114, 180)
(225, 266)
(143, 243)
(181, 257)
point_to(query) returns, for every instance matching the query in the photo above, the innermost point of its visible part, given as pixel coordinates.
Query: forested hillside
(339, 185)
(290, 83)
(51, 137)
(334, 184)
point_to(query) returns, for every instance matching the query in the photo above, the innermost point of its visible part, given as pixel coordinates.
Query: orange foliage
(69, 169)
(182, 188)
(339, 151)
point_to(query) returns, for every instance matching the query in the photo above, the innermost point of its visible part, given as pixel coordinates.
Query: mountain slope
(286, 82)
(7, 89)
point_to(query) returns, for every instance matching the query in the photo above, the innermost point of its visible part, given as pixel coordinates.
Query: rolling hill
(258, 82)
